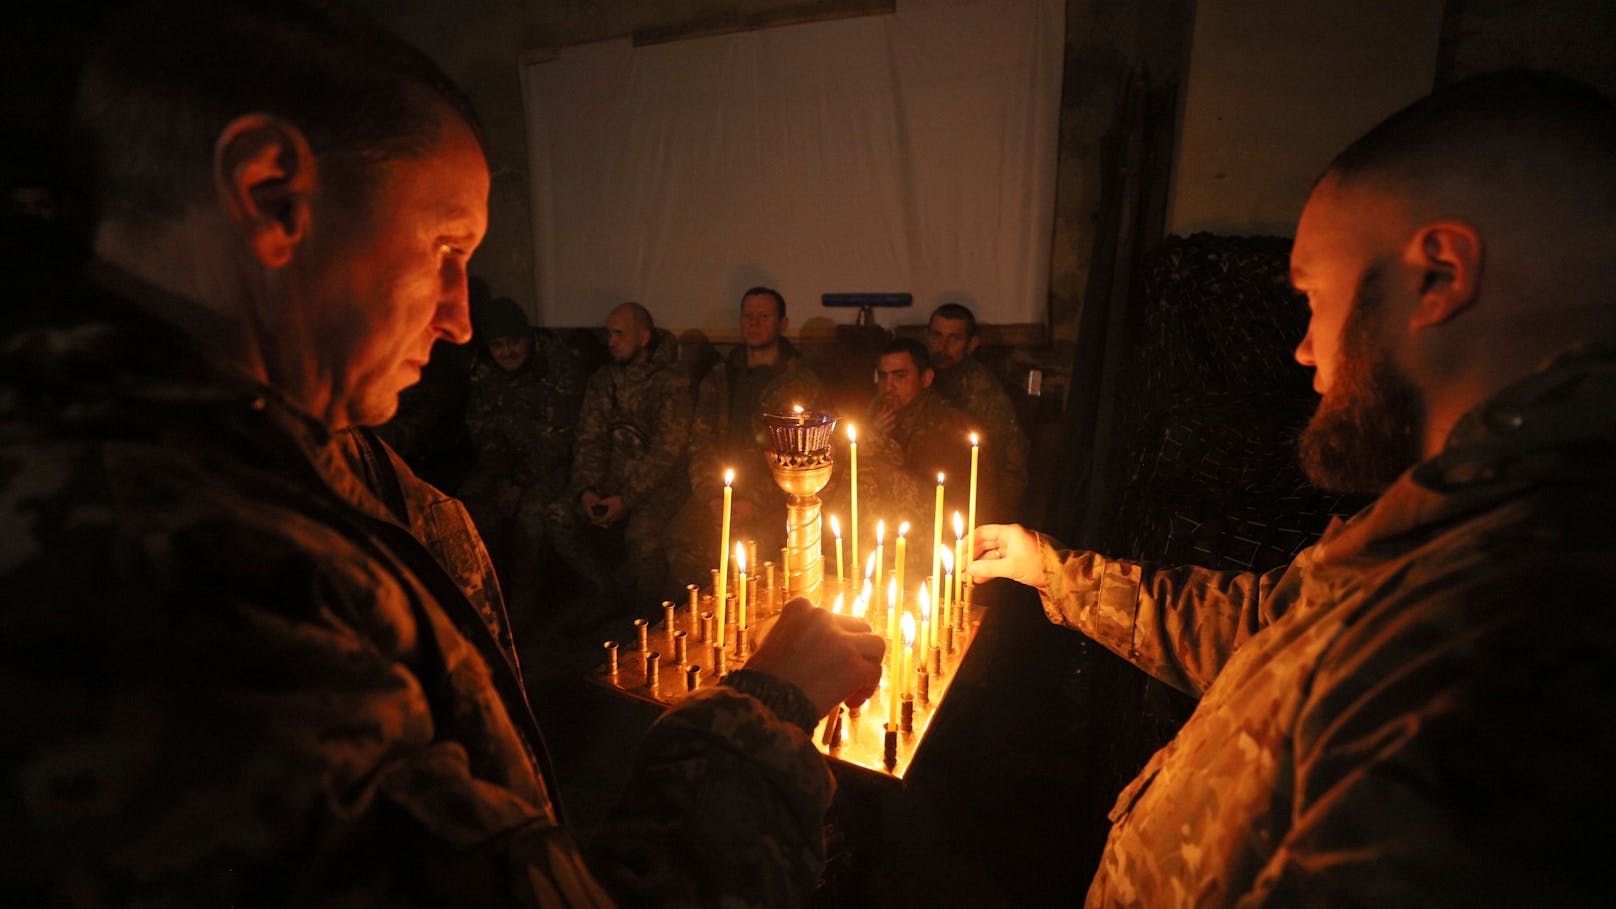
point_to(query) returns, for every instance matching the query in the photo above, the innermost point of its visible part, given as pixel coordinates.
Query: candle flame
(959, 526)
(939, 478)
(892, 591)
(948, 558)
(903, 528)
(861, 603)
(852, 434)
(925, 602)
(796, 408)
(836, 608)
(868, 593)
(740, 557)
(880, 531)
(835, 527)
(729, 477)
(974, 440)
(908, 630)
(869, 569)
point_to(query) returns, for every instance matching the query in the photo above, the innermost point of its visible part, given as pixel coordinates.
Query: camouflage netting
(1210, 406)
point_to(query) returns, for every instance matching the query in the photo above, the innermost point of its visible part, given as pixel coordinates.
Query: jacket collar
(1555, 427)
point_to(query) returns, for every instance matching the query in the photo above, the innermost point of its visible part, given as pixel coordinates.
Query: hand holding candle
(833, 659)
(1007, 551)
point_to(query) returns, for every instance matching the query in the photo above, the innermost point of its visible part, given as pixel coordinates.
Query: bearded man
(1416, 711)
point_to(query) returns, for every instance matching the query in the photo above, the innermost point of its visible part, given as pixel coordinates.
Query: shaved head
(1527, 158)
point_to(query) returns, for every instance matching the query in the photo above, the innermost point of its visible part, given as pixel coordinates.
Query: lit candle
(908, 650)
(945, 615)
(894, 671)
(852, 470)
(959, 560)
(898, 560)
(880, 552)
(836, 608)
(937, 541)
(861, 603)
(970, 519)
(925, 617)
(722, 593)
(740, 586)
(836, 531)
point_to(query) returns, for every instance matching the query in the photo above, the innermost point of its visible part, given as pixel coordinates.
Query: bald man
(628, 465)
(1417, 711)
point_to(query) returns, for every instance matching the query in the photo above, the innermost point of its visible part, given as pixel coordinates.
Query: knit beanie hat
(501, 318)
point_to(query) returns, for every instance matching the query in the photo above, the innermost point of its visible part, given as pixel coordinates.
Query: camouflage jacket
(1417, 711)
(898, 474)
(522, 423)
(791, 383)
(634, 431)
(249, 683)
(975, 390)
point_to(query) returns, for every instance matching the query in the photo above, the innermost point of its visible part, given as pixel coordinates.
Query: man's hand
(613, 512)
(885, 419)
(1006, 551)
(587, 501)
(832, 658)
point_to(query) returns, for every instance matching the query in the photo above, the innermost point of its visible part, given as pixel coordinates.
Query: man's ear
(1448, 258)
(264, 172)
(973, 344)
(926, 376)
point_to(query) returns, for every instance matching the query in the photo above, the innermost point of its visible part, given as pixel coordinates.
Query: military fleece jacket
(1419, 711)
(234, 677)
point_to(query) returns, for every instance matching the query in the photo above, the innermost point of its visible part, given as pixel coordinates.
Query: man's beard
(1368, 428)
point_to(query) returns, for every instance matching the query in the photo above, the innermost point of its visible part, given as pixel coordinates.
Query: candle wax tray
(854, 739)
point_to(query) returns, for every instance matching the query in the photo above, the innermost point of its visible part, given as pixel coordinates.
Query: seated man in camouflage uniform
(254, 661)
(910, 436)
(764, 374)
(521, 412)
(965, 382)
(628, 464)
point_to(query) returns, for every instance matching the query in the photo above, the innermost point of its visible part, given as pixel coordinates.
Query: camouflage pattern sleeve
(668, 441)
(1451, 748)
(725, 808)
(1181, 625)
(592, 446)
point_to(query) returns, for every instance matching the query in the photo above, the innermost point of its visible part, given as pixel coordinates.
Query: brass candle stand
(800, 458)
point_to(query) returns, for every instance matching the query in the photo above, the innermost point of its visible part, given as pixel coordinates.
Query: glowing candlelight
(836, 608)
(740, 586)
(970, 519)
(894, 689)
(852, 472)
(937, 540)
(925, 616)
(836, 531)
(796, 408)
(861, 603)
(880, 551)
(908, 650)
(722, 593)
(959, 560)
(898, 560)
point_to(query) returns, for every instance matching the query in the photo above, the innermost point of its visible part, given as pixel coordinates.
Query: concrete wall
(1276, 88)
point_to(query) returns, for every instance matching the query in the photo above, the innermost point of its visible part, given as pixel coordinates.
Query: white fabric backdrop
(911, 152)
